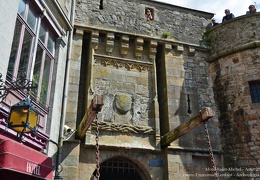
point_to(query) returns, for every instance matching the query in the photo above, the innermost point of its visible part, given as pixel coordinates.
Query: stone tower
(235, 68)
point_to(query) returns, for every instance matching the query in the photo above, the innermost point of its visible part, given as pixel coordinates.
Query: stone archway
(118, 168)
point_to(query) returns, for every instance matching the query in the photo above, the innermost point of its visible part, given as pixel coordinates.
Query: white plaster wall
(8, 11)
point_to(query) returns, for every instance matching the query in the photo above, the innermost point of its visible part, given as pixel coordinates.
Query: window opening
(149, 14)
(21, 8)
(254, 87)
(101, 4)
(188, 100)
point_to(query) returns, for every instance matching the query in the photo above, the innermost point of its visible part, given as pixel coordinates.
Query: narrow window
(188, 100)
(101, 4)
(255, 91)
(149, 15)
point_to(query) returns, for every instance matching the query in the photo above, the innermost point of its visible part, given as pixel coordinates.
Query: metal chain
(97, 149)
(210, 151)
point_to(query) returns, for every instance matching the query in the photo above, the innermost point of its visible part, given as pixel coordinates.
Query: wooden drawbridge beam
(203, 116)
(94, 108)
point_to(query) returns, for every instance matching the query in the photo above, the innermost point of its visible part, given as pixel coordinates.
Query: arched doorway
(119, 168)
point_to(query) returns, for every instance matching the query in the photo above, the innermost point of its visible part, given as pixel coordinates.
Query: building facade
(153, 75)
(34, 47)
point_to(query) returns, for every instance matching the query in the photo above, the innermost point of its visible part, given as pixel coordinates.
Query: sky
(237, 7)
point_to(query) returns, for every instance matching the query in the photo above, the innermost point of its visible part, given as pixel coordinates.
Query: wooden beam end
(206, 114)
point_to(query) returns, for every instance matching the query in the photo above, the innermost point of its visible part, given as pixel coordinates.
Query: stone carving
(152, 49)
(126, 128)
(94, 39)
(110, 43)
(126, 63)
(124, 44)
(122, 103)
(139, 47)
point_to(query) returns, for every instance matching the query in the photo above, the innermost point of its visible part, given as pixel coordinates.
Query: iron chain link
(97, 149)
(210, 151)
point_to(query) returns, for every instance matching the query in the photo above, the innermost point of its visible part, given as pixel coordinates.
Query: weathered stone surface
(131, 18)
(133, 72)
(123, 103)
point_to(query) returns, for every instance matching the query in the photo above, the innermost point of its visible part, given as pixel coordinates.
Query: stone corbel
(124, 45)
(139, 47)
(168, 47)
(94, 39)
(180, 48)
(110, 43)
(191, 50)
(152, 49)
(79, 32)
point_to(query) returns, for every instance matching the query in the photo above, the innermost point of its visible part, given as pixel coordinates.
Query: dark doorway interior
(119, 169)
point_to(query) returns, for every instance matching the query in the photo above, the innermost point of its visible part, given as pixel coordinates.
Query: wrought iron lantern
(58, 177)
(23, 117)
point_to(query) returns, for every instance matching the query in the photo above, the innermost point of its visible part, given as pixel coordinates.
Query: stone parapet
(240, 34)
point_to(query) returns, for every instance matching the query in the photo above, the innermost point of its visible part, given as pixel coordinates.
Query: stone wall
(234, 62)
(75, 64)
(128, 89)
(150, 84)
(8, 10)
(70, 159)
(140, 159)
(129, 116)
(183, 24)
(191, 165)
(189, 89)
(185, 68)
